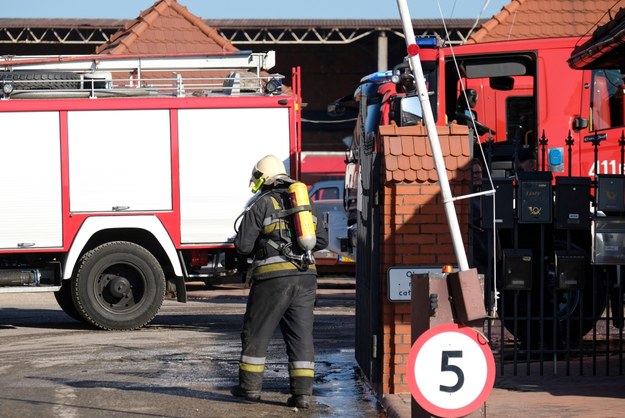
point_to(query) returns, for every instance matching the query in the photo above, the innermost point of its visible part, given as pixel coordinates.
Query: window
(606, 99)
(326, 193)
(520, 120)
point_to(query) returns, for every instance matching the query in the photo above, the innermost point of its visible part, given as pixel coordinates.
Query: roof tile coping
(408, 153)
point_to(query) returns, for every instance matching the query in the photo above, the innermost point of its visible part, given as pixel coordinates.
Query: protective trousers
(288, 302)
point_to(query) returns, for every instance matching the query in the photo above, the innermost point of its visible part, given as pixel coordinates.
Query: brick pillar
(415, 229)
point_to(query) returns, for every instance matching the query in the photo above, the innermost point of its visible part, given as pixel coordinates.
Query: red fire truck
(515, 95)
(525, 92)
(122, 176)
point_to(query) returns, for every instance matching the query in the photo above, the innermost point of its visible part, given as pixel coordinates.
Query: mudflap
(180, 288)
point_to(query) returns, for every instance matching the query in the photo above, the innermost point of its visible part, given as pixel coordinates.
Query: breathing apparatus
(303, 223)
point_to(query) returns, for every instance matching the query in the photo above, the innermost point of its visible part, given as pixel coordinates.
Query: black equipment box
(572, 197)
(517, 269)
(611, 192)
(570, 270)
(608, 241)
(504, 211)
(534, 197)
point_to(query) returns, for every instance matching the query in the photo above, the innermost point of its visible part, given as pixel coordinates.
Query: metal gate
(368, 249)
(558, 269)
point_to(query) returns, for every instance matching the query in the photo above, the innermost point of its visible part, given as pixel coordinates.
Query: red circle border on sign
(490, 373)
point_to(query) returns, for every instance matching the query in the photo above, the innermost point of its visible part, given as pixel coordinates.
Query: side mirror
(411, 112)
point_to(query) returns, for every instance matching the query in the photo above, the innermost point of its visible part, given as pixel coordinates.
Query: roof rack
(240, 72)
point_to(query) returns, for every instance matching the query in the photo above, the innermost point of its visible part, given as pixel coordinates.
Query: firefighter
(283, 281)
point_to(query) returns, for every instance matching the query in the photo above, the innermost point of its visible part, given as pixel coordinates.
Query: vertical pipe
(382, 52)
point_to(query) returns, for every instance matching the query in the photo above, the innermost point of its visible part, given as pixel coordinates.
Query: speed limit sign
(451, 370)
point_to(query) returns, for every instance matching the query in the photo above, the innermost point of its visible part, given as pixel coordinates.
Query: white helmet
(266, 171)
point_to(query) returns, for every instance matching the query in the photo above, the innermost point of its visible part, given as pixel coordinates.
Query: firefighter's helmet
(267, 171)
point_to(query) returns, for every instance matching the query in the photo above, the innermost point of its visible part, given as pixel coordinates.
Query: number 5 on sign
(451, 370)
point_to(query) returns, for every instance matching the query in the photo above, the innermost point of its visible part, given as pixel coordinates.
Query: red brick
(405, 189)
(404, 388)
(418, 260)
(416, 199)
(402, 348)
(411, 228)
(403, 329)
(408, 210)
(432, 209)
(399, 379)
(435, 229)
(417, 239)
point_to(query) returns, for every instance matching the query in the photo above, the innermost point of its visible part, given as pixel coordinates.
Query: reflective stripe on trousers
(302, 369)
(287, 302)
(252, 364)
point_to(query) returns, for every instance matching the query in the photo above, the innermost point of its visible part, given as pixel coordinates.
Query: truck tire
(118, 286)
(575, 311)
(66, 301)
(41, 80)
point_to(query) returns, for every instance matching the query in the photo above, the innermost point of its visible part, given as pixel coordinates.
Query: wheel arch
(146, 231)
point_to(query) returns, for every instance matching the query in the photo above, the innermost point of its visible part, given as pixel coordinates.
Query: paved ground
(513, 396)
(552, 395)
(533, 396)
(182, 365)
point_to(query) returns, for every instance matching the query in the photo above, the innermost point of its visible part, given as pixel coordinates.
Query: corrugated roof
(61, 23)
(244, 23)
(166, 27)
(335, 23)
(528, 19)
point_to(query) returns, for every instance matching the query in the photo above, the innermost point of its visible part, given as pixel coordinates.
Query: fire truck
(553, 264)
(122, 176)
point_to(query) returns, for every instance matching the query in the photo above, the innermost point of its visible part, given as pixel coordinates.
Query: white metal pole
(437, 154)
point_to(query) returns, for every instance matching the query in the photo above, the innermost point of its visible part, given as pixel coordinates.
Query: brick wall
(415, 229)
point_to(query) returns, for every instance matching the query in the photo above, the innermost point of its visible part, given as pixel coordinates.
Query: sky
(255, 9)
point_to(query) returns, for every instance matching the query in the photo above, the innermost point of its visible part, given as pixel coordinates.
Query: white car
(328, 197)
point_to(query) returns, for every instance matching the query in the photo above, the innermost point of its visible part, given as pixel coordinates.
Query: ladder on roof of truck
(146, 62)
(65, 74)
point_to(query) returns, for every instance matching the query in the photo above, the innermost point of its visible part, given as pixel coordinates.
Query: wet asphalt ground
(185, 362)
(181, 365)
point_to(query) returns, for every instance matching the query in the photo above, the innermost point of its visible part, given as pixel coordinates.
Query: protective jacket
(265, 236)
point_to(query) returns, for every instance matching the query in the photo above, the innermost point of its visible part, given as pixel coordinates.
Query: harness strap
(277, 221)
(288, 212)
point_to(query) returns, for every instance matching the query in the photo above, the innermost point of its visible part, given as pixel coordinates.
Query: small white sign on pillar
(399, 279)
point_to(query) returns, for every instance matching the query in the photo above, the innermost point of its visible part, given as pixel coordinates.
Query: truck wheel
(575, 311)
(118, 286)
(66, 302)
(41, 80)
(573, 324)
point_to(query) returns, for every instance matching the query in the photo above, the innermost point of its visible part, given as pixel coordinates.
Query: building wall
(330, 72)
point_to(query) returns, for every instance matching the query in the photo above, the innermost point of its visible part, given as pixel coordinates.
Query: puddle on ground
(339, 386)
